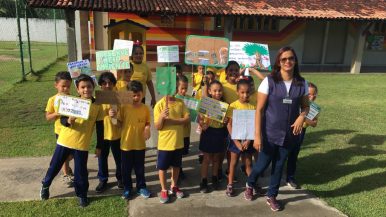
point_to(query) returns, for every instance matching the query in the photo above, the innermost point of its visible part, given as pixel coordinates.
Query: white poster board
(74, 106)
(123, 44)
(79, 67)
(314, 111)
(243, 124)
(168, 54)
(249, 54)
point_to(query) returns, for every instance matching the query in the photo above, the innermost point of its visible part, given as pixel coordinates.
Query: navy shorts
(186, 146)
(233, 148)
(168, 159)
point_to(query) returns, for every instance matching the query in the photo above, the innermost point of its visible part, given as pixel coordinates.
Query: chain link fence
(30, 40)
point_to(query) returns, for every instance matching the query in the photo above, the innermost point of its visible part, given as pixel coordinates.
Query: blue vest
(278, 116)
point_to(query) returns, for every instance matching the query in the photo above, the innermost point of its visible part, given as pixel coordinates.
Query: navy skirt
(213, 140)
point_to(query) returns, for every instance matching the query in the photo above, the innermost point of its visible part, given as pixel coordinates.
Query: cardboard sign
(192, 104)
(166, 80)
(113, 59)
(74, 106)
(208, 51)
(113, 97)
(243, 124)
(168, 54)
(249, 54)
(213, 109)
(314, 111)
(79, 67)
(123, 44)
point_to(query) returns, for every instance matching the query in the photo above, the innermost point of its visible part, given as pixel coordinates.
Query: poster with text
(74, 106)
(79, 67)
(207, 51)
(249, 54)
(314, 111)
(113, 59)
(166, 80)
(243, 124)
(168, 54)
(123, 44)
(213, 109)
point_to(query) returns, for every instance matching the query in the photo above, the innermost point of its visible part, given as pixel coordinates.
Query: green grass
(343, 160)
(42, 55)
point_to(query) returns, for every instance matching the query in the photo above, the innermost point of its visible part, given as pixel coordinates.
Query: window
(218, 22)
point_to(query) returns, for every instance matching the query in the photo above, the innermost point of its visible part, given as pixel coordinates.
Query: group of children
(124, 129)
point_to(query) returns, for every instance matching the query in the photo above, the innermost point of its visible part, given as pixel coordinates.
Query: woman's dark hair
(135, 86)
(84, 78)
(63, 75)
(107, 76)
(312, 85)
(276, 75)
(243, 82)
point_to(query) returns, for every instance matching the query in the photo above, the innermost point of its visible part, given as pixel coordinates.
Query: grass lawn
(343, 160)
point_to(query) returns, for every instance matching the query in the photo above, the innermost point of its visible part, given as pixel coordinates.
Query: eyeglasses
(290, 59)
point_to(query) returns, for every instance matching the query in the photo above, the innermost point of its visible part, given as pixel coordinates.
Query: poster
(168, 54)
(249, 54)
(213, 109)
(123, 44)
(192, 104)
(79, 67)
(112, 59)
(74, 106)
(243, 124)
(166, 80)
(113, 97)
(208, 51)
(314, 111)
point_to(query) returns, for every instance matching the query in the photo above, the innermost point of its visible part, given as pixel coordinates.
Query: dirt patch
(8, 58)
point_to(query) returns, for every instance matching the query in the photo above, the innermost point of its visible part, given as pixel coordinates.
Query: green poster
(166, 80)
(192, 104)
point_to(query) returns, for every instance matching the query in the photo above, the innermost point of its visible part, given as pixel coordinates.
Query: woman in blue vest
(280, 112)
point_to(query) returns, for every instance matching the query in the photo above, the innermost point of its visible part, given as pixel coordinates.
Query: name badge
(287, 101)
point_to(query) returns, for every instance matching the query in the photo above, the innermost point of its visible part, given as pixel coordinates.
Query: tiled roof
(311, 9)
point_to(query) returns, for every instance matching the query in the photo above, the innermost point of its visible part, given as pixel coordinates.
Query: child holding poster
(124, 76)
(112, 136)
(74, 139)
(197, 78)
(170, 116)
(62, 84)
(212, 142)
(293, 154)
(237, 148)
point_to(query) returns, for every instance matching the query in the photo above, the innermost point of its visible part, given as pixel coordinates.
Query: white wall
(41, 30)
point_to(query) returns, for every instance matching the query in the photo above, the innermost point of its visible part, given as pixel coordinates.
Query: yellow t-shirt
(121, 85)
(170, 137)
(197, 78)
(253, 98)
(142, 74)
(237, 105)
(230, 92)
(111, 131)
(134, 120)
(221, 75)
(52, 107)
(78, 135)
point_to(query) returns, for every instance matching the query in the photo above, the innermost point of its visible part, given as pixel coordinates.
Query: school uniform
(230, 92)
(75, 139)
(282, 109)
(212, 140)
(197, 89)
(52, 107)
(133, 145)
(121, 85)
(170, 137)
(142, 74)
(187, 130)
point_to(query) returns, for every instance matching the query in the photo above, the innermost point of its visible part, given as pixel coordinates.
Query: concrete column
(101, 35)
(82, 35)
(71, 38)
(325, 40)
(228, 27)
(359, 45)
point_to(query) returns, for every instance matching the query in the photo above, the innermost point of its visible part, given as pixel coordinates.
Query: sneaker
(177, 192)
(101, 187)
(293, 185)
(120, 184)
(45, 193)
(229, 192)
(273, 204)
(144, 193)
(163, 196)
(68, 180)
(204, 186)
(83, 201)
(126, 195)
(248, 193)
(215, 183)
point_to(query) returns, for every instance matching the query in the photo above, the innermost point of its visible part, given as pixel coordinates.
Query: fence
(30, 40)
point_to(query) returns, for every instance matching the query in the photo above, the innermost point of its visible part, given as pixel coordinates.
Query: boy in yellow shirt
(74, 139)
(62, 84)
(112, 138)
(135, 122)
(170, 116)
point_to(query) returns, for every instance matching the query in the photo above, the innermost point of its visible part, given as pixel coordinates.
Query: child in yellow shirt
(74, 139)
(197, 78)
(62, 84)
(124, 77)
(170, 116)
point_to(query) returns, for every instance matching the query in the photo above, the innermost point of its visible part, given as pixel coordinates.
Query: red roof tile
(314, 9)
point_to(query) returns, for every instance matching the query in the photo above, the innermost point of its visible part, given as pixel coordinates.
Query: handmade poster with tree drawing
(207, 51)
(249, 54)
